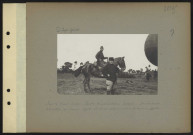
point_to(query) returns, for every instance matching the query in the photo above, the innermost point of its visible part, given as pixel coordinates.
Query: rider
(99, 56)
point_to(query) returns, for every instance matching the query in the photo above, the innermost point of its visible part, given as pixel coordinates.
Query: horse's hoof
(85, 91)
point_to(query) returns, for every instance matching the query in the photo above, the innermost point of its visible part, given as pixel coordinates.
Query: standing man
(99, 56)
(147, 73)
(81, 64)
(110, 72)
(149, 67)
(75, 66)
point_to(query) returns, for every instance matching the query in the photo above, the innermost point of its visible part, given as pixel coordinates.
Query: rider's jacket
(100, 55)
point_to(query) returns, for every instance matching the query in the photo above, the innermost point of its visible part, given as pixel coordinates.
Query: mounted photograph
(107, 64)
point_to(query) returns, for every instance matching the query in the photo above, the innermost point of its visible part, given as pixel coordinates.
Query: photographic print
(107, 64)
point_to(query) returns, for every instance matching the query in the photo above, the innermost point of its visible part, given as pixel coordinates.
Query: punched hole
(8, 33)
(9, 103)
(8, 46)
(8, 90)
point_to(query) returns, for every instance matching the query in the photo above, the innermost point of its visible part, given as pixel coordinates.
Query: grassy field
(70, 85)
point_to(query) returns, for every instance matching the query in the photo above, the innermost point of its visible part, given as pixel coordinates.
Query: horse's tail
(78, 71)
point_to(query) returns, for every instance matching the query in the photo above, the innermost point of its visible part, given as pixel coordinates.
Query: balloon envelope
(151, 48)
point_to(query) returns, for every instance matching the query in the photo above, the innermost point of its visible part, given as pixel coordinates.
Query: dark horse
(91, 69)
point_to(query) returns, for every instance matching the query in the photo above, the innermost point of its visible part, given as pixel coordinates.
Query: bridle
(121, 64)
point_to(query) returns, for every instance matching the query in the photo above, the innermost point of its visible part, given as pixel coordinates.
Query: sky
(83, 47)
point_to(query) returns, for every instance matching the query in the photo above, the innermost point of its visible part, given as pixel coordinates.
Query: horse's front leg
(88, 84)
(84, 82)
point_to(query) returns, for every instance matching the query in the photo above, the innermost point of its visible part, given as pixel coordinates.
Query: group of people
(148, 73)
(75, 67)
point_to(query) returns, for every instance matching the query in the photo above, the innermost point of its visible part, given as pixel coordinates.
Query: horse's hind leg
(87, 81)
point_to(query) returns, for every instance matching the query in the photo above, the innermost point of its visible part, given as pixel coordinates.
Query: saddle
(101, 64)
(99, 67)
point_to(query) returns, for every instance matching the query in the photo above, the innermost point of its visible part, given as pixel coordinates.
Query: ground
(70, 85)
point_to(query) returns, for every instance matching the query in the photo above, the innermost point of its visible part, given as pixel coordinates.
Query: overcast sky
(83, 47)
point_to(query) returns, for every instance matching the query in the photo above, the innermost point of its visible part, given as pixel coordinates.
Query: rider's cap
(75, 62)
(101, 47)
(111, 59)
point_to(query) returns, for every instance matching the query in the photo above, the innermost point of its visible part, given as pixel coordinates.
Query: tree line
(131, 73)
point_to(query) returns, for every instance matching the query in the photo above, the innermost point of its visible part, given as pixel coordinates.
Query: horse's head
(121, 62)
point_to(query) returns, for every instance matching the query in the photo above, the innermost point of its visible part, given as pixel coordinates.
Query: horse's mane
(118, 58)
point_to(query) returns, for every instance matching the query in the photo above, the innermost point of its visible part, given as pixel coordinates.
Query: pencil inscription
(66, 30)
(93, 106)
(170, 8)
(172, 32)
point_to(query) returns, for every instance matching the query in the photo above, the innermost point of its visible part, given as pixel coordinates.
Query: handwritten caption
(66, 30)
(100, 106)
(170, 8)
(172, 32)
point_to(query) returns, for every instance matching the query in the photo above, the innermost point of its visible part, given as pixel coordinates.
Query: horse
(91, 69)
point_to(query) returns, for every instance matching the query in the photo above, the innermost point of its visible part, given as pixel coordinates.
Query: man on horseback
(100, 57)
(100, 60)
